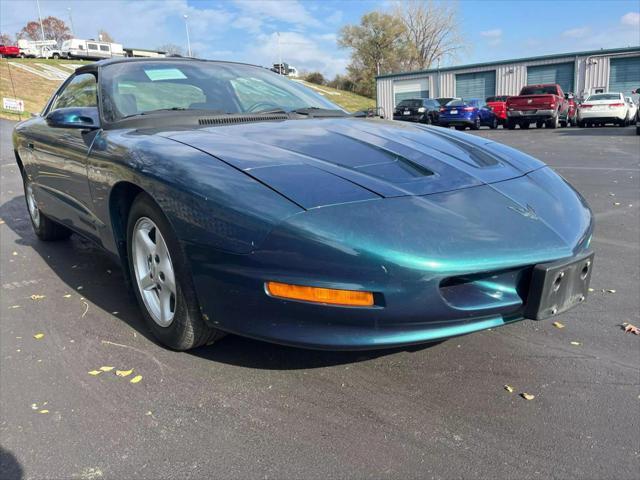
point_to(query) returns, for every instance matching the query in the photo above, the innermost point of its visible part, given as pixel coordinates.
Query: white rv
(90, 49)
(34, 48)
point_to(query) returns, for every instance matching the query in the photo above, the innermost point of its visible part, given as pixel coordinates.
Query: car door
(61, 158)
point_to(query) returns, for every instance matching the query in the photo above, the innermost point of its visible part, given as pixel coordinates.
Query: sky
(248, 30)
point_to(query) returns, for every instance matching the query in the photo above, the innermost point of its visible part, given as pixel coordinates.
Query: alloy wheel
(34, 211)
(154, 272)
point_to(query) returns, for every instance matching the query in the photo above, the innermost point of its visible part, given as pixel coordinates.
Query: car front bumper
(428, 285)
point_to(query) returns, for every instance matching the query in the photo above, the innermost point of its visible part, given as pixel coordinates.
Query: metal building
(581, 72)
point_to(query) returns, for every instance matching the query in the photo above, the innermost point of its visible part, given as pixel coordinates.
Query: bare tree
(431, 30)
(5, 39)
(104, 36)
(171, 49)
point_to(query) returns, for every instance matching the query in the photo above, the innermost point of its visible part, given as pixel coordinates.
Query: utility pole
(279, 55)
(73, 31)
(186, 26)
(40, 18)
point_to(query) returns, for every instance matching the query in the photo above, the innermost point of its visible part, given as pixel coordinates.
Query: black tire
(45, 229)
(55, 56)
(539, 124)
(637, 130)
(553, 122)
(524, 125)
(460, 127)
(511, 124)
(187, 329)
(476, 124)
(494, 124)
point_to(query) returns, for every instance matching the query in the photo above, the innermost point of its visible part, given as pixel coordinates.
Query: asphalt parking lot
(245, 409)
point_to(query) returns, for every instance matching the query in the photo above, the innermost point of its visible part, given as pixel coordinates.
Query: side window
(104, 48)
(92, 46)
(80, 47)
(79, 92)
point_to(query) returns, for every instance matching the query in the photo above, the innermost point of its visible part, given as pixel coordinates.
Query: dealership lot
(246, 409)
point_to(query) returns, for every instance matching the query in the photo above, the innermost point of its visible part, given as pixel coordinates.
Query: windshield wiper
(319, 112)
(173, 109)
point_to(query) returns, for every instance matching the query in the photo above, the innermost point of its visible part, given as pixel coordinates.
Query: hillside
(347, 100)
(34, 80)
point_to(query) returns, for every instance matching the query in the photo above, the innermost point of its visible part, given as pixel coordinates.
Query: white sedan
(602, 108)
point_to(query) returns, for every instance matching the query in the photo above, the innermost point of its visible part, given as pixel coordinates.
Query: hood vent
(234, 119)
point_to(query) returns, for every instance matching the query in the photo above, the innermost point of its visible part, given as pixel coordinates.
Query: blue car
(240, 202)
(472, 113)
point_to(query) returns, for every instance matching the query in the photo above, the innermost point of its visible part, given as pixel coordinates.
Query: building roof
(516, 60)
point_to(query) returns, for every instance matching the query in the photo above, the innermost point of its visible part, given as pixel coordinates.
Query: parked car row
(543, 105)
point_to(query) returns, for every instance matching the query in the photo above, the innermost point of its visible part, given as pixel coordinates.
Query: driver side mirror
(86, 118)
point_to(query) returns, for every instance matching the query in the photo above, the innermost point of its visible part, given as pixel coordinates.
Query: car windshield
(604, 96)
(410, 103)
(139, 87)
(456, 103)
(497, 99)
(539, 90)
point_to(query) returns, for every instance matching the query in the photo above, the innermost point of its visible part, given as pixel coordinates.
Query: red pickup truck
(539, 104)
(9, 51)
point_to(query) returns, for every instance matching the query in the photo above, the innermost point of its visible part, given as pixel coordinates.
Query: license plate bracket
(558, 286)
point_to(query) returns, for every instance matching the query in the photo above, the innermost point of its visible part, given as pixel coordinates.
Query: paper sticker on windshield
(165, 74)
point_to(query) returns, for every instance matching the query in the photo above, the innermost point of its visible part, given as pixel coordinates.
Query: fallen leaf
(149, 413)
(575, 343)
(124, 373)
(14, 306)
(508, 388)
(527, 396)
(1, 222)
(558, 325)
(37, 297)
(15, 254)
(94, 372)
(68, 295)
(106, 369)
(591, 289)
(43, 411)
(79, 288)
(34, 406)
(38, 336)
(628, 328)
(136, 379)
(610, 290)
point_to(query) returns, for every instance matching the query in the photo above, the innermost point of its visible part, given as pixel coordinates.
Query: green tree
(315, 77)
(378, 44)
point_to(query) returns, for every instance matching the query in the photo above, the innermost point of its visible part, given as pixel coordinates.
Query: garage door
(414, 88)
(560, 73)
(624, 74)
(476, 85)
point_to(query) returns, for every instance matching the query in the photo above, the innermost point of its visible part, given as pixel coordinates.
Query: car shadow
(10, 467)
(606, 131)
(80, 263)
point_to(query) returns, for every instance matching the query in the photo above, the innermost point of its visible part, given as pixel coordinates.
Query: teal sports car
(239, 201)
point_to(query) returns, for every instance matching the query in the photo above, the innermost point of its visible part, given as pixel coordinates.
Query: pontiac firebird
(240, 201)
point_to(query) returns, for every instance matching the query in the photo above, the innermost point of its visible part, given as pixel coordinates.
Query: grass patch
(349, 101)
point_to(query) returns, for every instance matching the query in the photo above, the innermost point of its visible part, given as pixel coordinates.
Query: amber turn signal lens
(320, 295)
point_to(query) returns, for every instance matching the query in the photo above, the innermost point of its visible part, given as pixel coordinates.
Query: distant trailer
(141, 52)
(91, 49)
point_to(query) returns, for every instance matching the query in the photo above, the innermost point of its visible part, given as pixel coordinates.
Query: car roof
(92, 67)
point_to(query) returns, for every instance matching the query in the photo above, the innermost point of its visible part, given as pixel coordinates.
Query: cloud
(296, 49)
(291, 12)
(578, 32)
(494, 37)
(631, 19)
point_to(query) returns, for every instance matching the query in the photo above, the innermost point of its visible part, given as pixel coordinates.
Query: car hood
(319, 162)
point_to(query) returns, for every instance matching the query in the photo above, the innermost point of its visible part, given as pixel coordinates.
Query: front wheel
(162, 281)
(476, 124)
